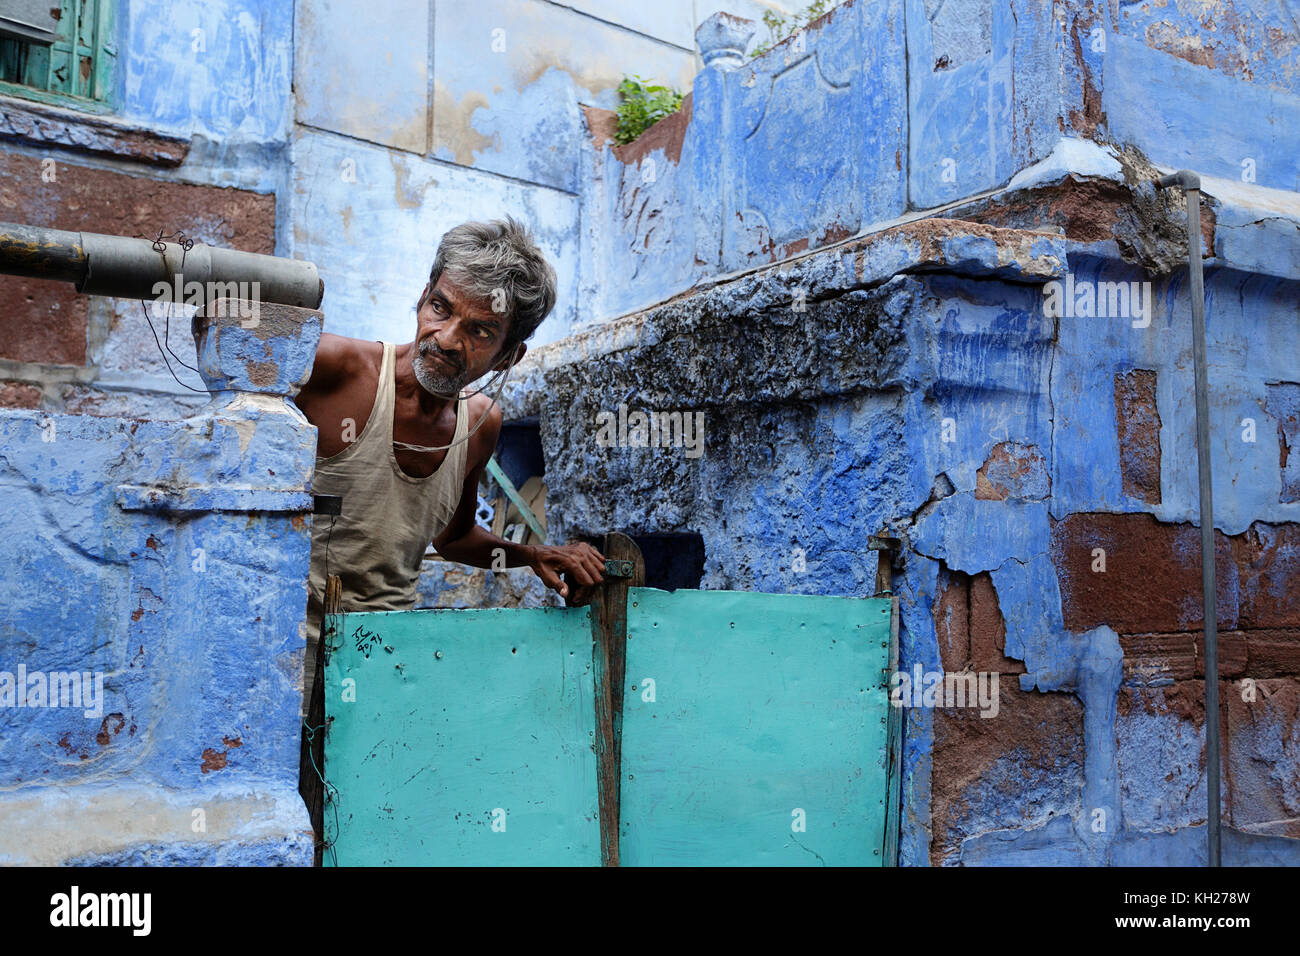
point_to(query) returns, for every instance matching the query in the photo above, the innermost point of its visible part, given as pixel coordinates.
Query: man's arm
(328, 371)
(464, 541)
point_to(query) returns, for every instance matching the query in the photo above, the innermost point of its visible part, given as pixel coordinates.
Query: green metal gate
(755, 730)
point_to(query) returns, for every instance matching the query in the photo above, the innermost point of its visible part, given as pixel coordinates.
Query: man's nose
(448, 340)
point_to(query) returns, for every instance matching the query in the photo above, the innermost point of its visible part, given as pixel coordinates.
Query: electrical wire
(482, 418)
(159, 244)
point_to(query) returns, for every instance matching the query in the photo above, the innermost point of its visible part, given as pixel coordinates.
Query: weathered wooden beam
(609, 656)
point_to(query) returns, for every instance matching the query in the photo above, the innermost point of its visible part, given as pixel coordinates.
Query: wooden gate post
(311, 766)
(624, 568)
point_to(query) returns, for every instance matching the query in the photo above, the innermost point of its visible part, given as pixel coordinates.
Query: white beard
(436, 383)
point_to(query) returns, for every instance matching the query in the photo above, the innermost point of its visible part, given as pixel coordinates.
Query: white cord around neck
(482, 418)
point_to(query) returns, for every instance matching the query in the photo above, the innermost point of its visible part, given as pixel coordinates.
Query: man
(489, 290)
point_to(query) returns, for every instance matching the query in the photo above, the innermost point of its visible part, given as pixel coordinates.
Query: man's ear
(517, 354)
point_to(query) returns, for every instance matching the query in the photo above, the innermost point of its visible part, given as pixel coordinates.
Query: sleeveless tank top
(389, 518)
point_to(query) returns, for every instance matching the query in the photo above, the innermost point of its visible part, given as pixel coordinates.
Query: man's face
(457, 339)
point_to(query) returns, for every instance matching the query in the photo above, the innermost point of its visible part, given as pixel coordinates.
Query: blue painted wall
(165, 562)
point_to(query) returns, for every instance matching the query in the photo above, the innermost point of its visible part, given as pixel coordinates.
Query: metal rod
(1191, 184)
(133, 268)
(41, 253)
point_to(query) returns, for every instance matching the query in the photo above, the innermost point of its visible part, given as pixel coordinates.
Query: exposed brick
(1184, 699)
(1013, 470)
(1268, 569)
(46, 321)
(1085, 211)
(969, 625)
(1151, 659)
(1138, 422)
(1006, 771)
(1273, 653)
(1152, 581)
(19, 395)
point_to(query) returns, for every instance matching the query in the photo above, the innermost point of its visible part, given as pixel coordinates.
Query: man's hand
(581, 560)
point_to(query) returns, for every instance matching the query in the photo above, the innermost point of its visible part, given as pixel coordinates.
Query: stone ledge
(41, 124)
(862, 262)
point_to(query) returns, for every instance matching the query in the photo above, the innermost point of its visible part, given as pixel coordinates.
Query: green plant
(779, 27)
(643, 105)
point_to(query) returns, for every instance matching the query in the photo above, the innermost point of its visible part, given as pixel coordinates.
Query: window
(60, 51)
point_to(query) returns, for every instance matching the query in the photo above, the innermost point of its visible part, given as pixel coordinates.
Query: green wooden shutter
(77, 68)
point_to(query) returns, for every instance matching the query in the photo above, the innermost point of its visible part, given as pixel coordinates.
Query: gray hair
(492, 260)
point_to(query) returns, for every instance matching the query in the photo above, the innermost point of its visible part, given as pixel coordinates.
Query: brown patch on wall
(832, 233)
(1137, 419)
(46, 321)
(1230, 41)
(1011, 471)
(213, 760)
(1158, 658)
(1282, 401)
(19, 395)
(969, 625)
(1042, 733)
(602, 124)
(1086, 120)
(1273, 652)
(792, 248)
(1268, 566)
(1208, 223)
(453, 124)
(668, 134)
(1164, 36)
(107, 733)
(1084, 210)
(1152, 581)
(263, 373)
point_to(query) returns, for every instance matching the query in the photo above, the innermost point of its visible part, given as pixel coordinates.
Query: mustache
(426, 350)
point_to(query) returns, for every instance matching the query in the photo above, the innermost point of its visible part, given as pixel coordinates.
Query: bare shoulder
(340, 359)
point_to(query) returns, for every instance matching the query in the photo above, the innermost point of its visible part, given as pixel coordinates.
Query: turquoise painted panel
(768, 712)
(469, 740)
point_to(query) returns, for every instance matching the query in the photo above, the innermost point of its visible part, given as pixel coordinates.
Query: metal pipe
(133, 268)
(1191, 184)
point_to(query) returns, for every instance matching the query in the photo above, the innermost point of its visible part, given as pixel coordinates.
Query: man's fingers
(551, 580)
(583, 575)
